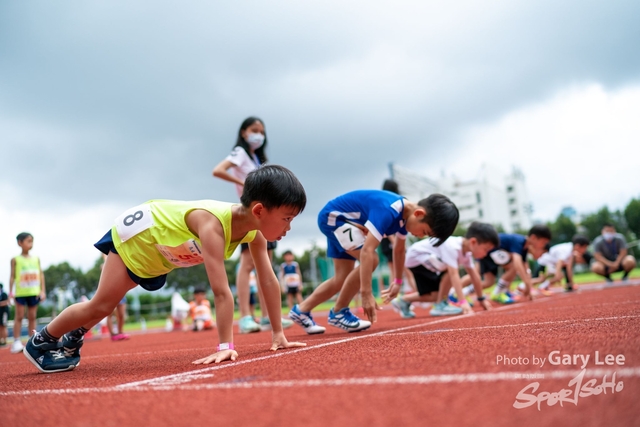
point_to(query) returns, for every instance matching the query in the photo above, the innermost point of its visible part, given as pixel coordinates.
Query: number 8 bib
(134, 221)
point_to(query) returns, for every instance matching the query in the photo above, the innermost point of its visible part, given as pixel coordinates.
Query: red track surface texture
(424, 371)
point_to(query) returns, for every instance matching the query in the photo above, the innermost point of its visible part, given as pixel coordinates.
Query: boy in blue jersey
(354, 225)
(511, 255)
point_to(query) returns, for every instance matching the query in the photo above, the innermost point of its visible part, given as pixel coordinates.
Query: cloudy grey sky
(104, 105)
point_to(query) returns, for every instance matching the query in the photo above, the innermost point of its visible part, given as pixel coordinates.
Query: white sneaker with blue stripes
(346, 320)
(305, 320)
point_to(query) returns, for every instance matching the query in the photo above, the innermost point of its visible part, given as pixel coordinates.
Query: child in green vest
(151, 239)
(26, 287)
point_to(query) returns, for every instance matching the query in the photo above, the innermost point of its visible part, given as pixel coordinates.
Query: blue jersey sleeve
(513, 243)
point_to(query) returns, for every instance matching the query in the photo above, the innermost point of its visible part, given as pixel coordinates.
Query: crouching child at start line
(150, 240)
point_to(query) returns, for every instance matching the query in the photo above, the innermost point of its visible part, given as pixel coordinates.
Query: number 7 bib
(349, 236)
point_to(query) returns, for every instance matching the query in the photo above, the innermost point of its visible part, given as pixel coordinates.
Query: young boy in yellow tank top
(152, 239)
(26, 288)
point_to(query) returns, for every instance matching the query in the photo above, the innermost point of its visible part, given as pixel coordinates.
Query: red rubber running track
(458, 371)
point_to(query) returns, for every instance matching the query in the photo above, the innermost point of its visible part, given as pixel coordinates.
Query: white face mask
(255, 140)
(608, 236)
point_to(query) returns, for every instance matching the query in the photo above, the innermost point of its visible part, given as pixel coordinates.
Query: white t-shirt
(437, 259)
(559, 252)
(243, 165)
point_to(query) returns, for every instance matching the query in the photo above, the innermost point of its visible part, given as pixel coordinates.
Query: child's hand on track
(369, 306)
(486, 304)
(217, 357)
(280, 341)
(466, 308)
(390, 293)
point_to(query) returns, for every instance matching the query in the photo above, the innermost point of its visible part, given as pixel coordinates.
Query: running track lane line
(518, 325)
(173, 377)
(366, 381)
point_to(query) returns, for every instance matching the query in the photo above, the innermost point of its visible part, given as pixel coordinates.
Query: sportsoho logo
(578, 387)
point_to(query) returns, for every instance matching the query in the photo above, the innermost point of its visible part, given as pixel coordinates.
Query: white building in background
(492, 197)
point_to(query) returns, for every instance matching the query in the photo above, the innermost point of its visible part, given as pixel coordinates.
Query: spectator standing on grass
(611, 254)
(26, 287)
(291, 279)
(4, 316)
(248, 154)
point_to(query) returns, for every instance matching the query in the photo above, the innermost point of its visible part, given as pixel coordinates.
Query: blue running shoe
(444, 309)
(49, 357)
(305, 320)
(71, 348)
(404, 308)
(346, 320)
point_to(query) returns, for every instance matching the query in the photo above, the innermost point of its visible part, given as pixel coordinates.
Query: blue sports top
(378, 211)
(509, 244)
(289, 268)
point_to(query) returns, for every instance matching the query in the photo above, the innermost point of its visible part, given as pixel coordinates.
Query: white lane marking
(516, 325)
(298, 350)
(630, 372)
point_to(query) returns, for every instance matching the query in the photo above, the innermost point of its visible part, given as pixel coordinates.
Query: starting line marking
(337, 382)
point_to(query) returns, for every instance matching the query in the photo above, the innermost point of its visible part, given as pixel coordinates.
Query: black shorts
(488, 265)
(105, 245)
(293, 291)
(4, 315)
(608, 270)
(386, 249)
(270, 246)
(28, 301)
(253, 299)
(426, 280)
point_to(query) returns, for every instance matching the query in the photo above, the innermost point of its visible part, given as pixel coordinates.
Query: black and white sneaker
(71, 348)
(48, 357)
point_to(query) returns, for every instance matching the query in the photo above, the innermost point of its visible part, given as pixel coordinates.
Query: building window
(479, 213)
(516, 226)
(512, 200)
(478, 198)
(510, 188)
(514, 212)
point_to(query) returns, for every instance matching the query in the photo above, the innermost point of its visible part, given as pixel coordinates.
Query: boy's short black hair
(580, 240)
(541, 231)
(608, 224)
(199, 290)
(391, 185)
(20, 237)
(274, 186)
(287, 252)
(483, 232)
(442, 216)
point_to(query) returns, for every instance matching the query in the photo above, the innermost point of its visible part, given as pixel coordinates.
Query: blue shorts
(334, 248)
(253, 298)
(105, 245)
(123, 301)
(28, 301)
